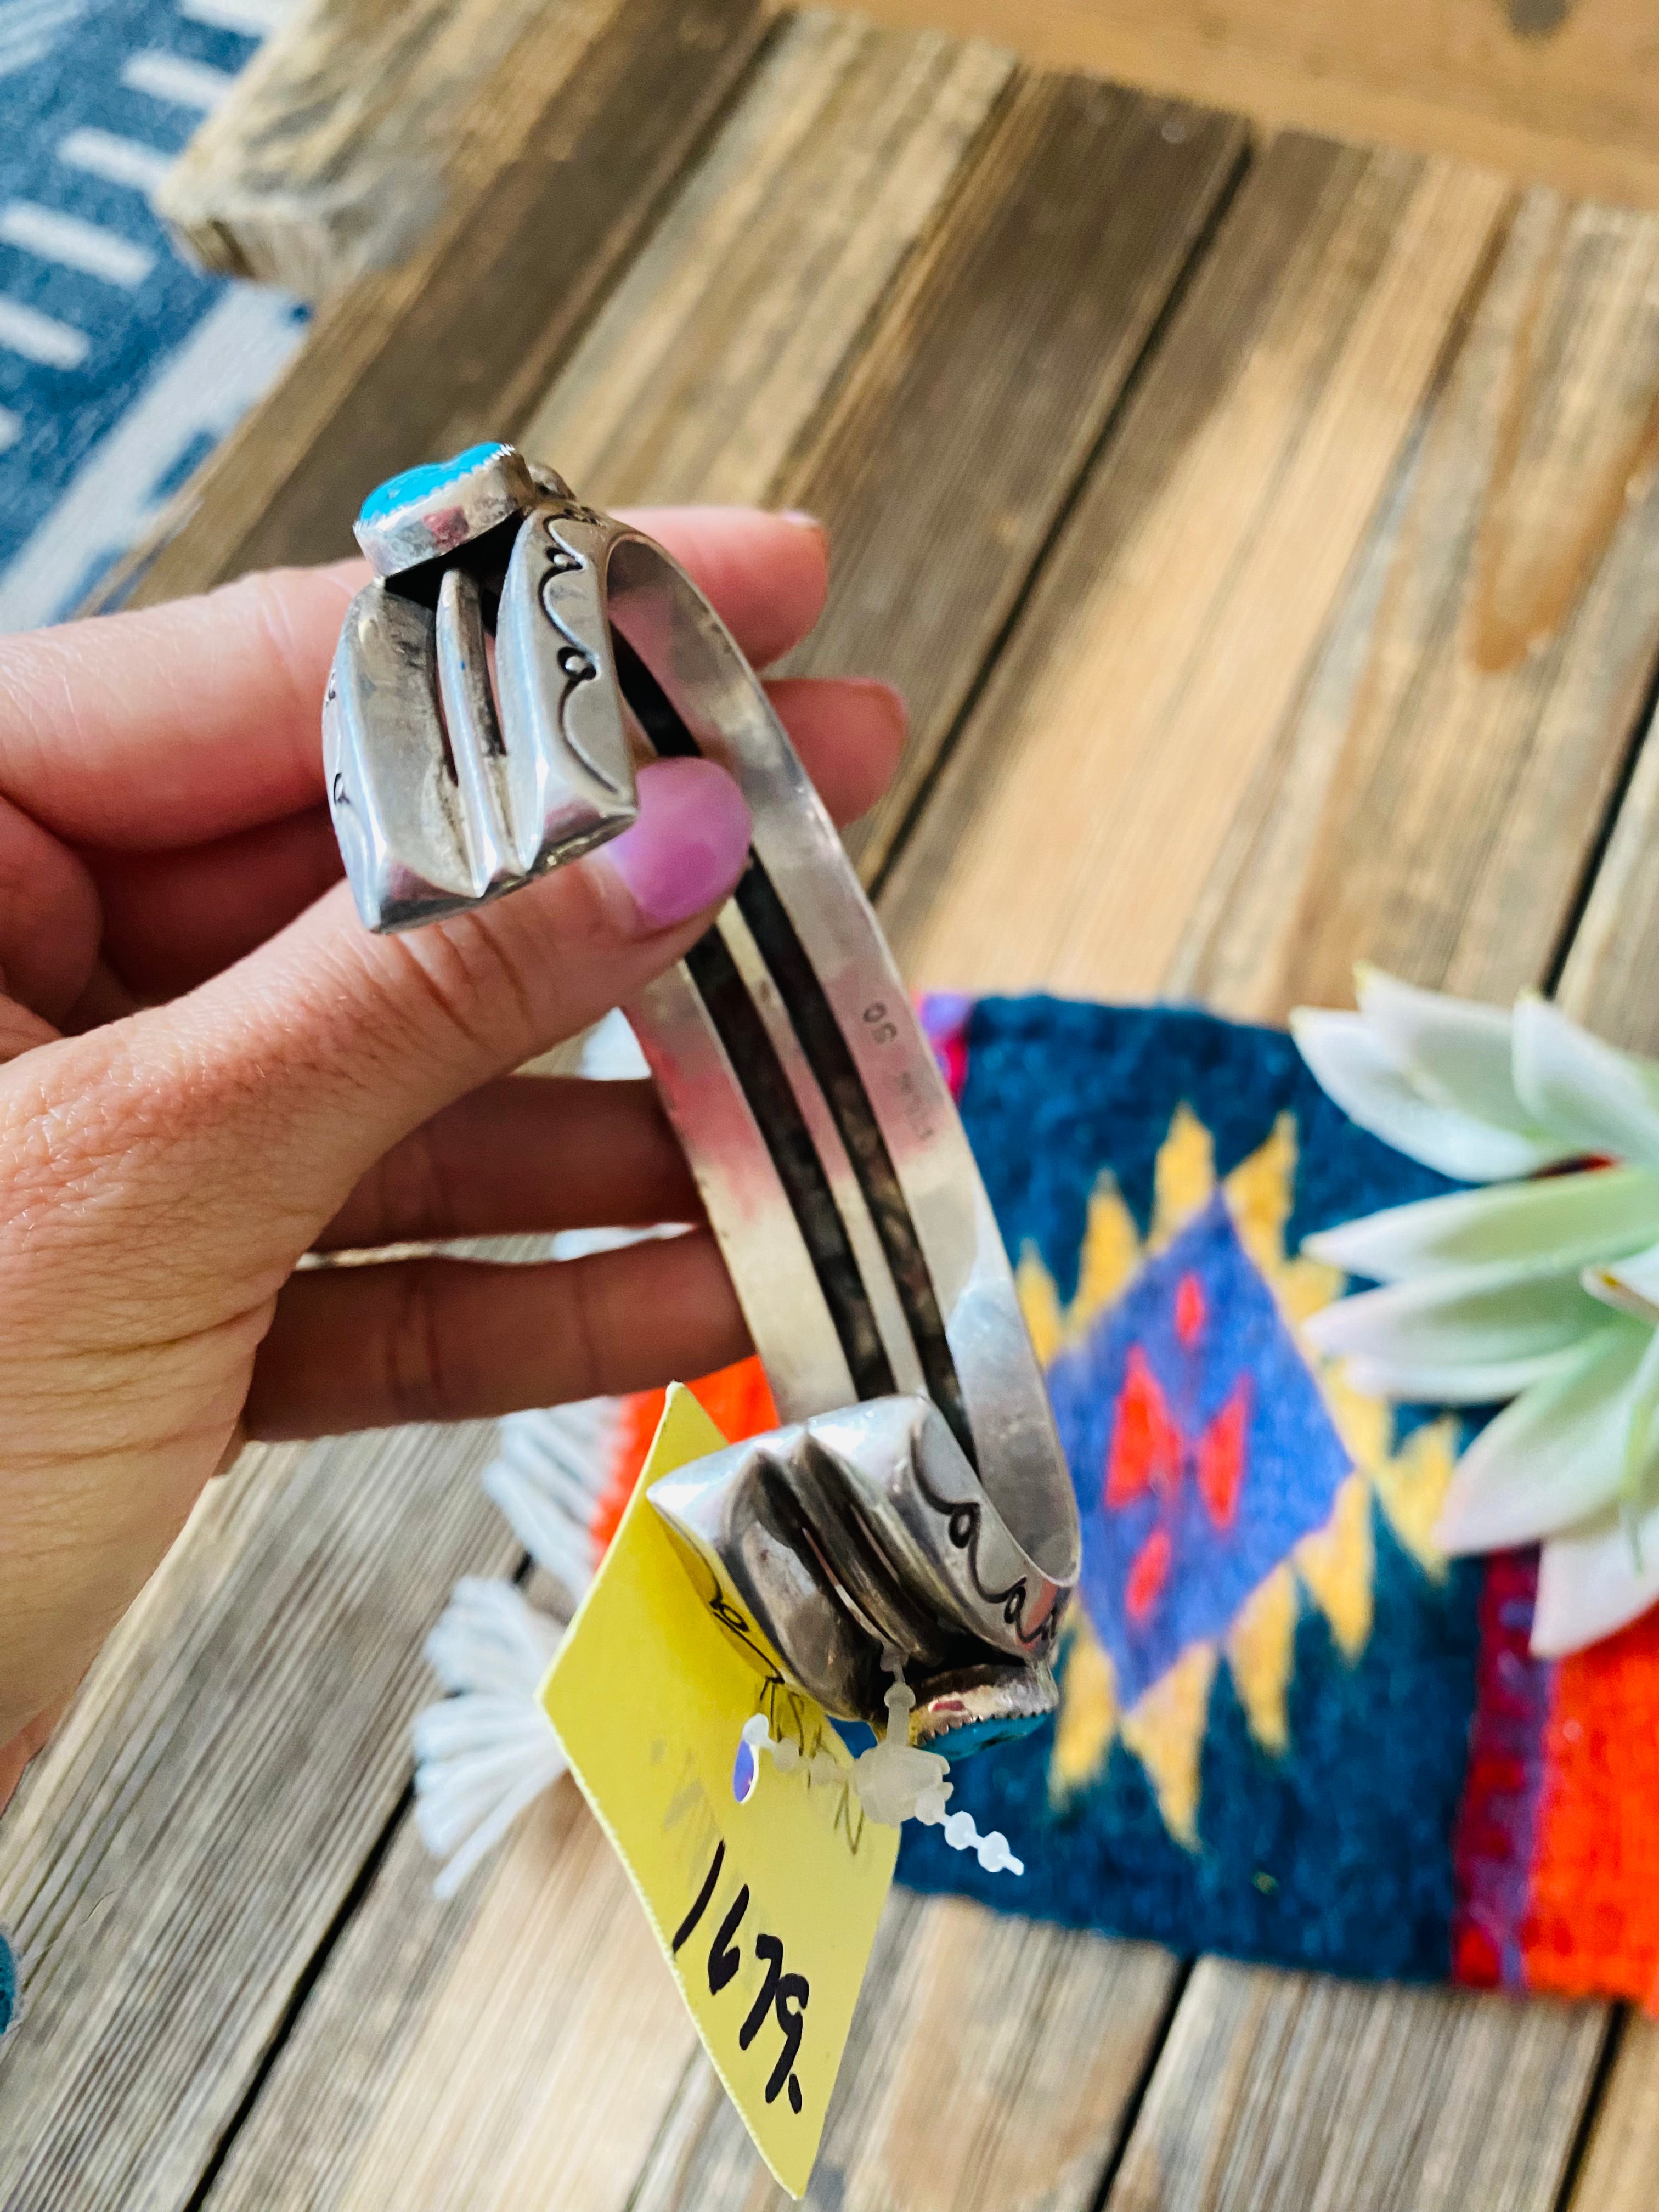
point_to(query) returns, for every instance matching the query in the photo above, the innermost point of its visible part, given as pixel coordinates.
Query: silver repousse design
(916, 1501)
(466, 804)
(828, 1534)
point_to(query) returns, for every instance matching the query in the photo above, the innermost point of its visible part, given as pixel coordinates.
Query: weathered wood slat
(1608, 982)
(1171, 631)
(586, 144)
(1483, 909)
(311, 2139)
(1448, 2099)
(340, 142)
(1432, 797)
(1585, 527)
(1608, 979)
(1558, 91)
(1619, 2172)
(184, 1851)
(742, 311)
(989, 2068)
(519, 2044)
(226, 1517)
(994, 374)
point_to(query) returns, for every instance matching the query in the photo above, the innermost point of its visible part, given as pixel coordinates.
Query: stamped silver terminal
(452, 780)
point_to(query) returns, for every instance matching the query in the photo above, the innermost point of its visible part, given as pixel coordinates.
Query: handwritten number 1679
(783, 1995)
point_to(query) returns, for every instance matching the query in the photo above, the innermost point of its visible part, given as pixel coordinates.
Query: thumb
(312, 1057)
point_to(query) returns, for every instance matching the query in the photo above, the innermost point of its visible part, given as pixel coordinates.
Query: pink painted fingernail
(688, 847)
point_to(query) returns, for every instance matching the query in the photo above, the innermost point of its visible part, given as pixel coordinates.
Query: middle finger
(171, 920)
(530, 1153)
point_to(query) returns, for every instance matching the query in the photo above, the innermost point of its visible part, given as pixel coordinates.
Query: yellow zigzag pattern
(1332, 1568)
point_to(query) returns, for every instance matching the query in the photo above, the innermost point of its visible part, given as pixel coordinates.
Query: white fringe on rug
(489, 1750)
(547, 1476)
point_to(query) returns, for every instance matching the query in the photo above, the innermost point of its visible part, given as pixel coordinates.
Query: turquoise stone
(9, 1981)
(413, 484)
(975, 1736)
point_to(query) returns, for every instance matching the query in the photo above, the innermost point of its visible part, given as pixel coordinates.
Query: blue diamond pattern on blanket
(1265, 1691)
(1214, 1450)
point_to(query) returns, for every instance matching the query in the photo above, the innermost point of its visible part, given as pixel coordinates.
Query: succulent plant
(1539, 1289)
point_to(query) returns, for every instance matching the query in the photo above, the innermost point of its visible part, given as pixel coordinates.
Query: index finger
(195, 720)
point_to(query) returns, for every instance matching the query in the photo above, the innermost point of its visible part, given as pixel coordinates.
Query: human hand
(211, 1069)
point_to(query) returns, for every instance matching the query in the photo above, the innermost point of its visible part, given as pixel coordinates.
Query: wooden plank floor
(1266, 535)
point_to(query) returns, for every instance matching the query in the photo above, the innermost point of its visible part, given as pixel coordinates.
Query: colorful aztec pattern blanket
(1289, 1729)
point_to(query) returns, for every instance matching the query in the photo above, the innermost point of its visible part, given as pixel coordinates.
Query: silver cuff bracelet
(917, 1503)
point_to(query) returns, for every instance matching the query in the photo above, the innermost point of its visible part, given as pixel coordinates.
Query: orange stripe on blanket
(1593, 1926)
(737, 1400)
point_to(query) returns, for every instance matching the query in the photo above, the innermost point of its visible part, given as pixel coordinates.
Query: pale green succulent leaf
(1351, 1064)
(1564, 1221)
(1606, 1284)
(1476, 1316)
(1458, 1050)
(1553, 1457)
(1641, 1459)
(1592, 1579)
(1425, 1382)
(1464, 1337)
(1591, 1096)
(1630, 1284)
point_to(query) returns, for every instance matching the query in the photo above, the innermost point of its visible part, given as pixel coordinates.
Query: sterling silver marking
(916, 1498)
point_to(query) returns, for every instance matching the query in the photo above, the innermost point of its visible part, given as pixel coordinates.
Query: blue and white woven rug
(121, 366)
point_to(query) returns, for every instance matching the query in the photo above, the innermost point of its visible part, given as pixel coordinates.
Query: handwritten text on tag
(764, 1887)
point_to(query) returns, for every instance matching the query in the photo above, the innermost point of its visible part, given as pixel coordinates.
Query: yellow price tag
(767, 1906)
